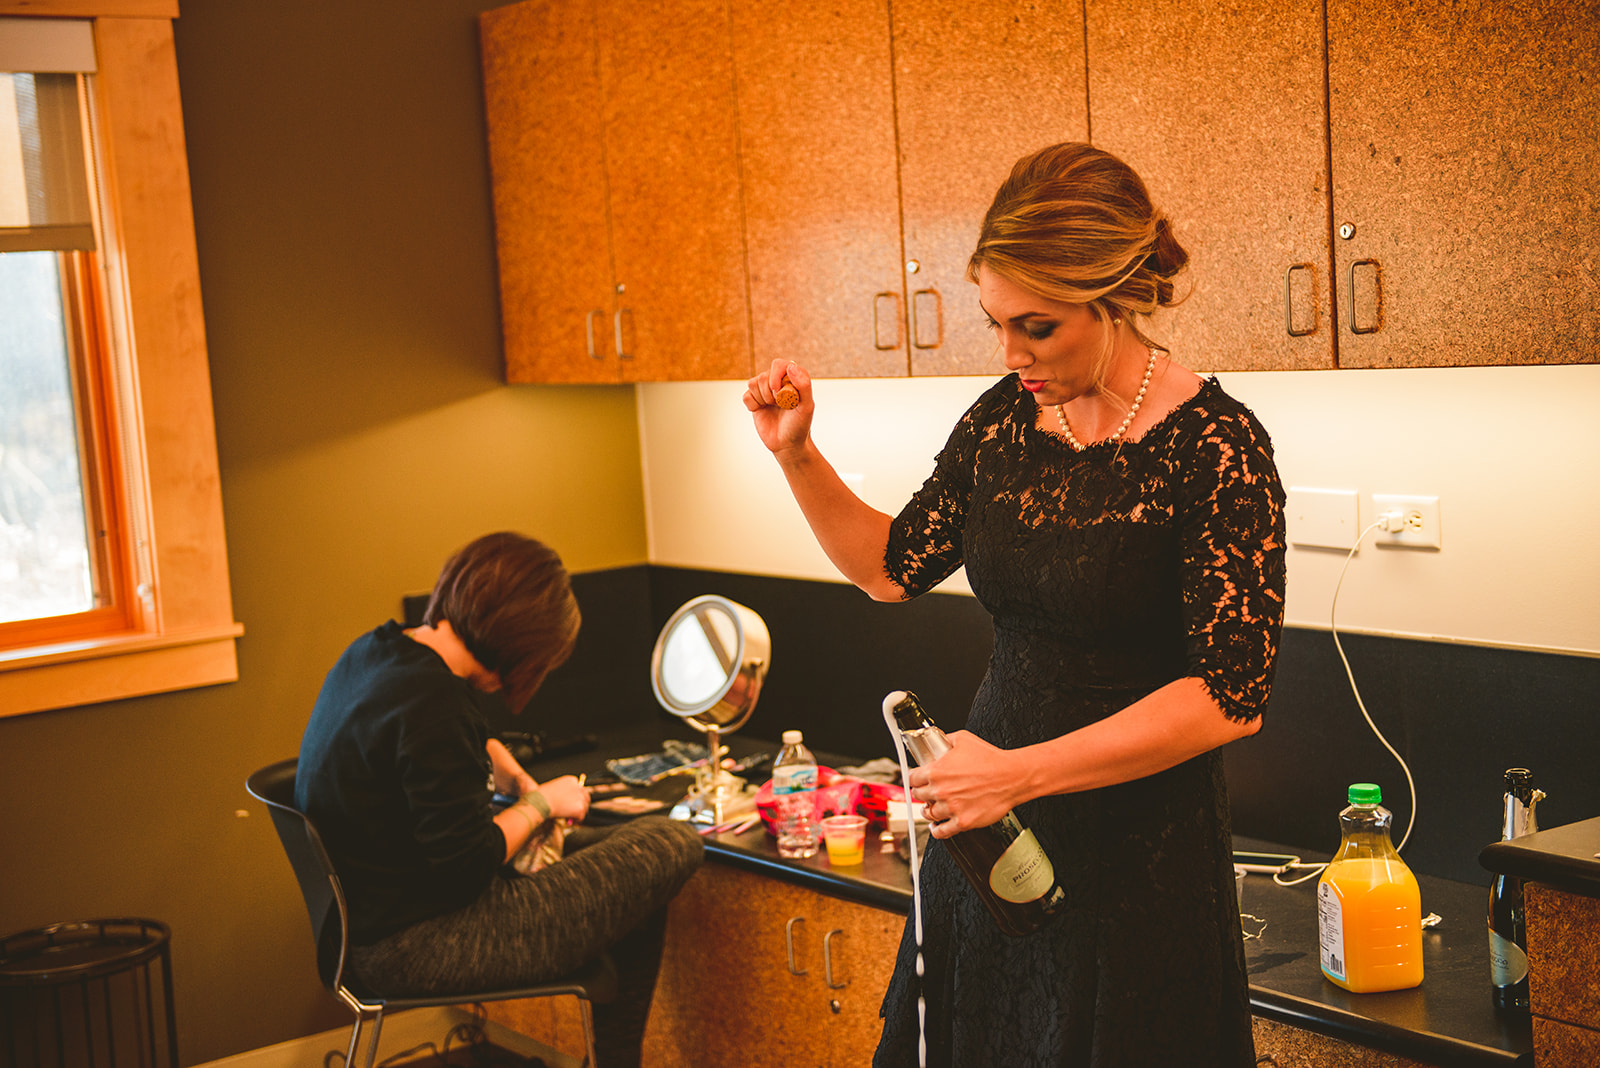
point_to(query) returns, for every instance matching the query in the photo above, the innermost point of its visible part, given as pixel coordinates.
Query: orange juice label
(1330, 931)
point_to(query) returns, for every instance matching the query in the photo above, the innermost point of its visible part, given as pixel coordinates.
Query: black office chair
(319, 883)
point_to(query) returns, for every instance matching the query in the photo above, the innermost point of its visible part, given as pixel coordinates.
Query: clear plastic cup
(846, 838)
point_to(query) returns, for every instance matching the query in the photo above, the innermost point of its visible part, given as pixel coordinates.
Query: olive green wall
(342, 205)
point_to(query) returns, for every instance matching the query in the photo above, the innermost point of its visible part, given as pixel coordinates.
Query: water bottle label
(793, 778)
(1330, 931)
(1508, 963)
(1023, 873)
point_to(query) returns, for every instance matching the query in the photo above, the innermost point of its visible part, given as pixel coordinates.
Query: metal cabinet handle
(827, 959)
(588, 331)
(877, 321)
(788, 944)
(1288, 301)
(616, 320)
(938, 320)
(1377, 289)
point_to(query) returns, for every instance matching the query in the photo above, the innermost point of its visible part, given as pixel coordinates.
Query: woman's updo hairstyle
(1074, 223)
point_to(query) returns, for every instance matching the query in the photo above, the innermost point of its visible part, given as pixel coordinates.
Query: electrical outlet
(1419, 521)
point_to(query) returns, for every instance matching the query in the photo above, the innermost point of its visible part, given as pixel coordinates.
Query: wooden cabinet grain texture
(1221, 113)
(1464, 140)
(1455, 141)
(978, 84)
(616, 191)
(1280, 1045)
(1563, 976)
(817, 149)
(726, 994)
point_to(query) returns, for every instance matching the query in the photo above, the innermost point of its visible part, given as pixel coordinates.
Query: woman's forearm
(1162, 730)
(852, 533)
(976, 783)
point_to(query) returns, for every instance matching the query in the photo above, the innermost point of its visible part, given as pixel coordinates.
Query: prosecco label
(1023, 873)
(1508, 963)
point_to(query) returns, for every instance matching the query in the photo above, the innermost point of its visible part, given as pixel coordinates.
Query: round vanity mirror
(707, 668)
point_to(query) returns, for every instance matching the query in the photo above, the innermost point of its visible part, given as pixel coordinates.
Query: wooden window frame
(170, 625)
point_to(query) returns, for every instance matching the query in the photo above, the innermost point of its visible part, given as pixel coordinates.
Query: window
(113, 572)
(64, 538)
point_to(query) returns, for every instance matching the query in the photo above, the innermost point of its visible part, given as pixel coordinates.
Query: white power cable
(1392, 521)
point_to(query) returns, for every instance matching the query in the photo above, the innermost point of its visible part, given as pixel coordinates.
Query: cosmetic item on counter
(1369, 907)
(1508, 933)
(794, 788)
(1004, 862)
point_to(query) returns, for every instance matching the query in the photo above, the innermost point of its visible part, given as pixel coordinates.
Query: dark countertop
(1566, 857)
(1449, 1020)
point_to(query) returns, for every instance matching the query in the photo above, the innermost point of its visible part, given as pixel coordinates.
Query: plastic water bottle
(794, 786)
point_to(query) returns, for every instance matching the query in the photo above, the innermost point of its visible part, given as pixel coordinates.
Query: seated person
(397, 771)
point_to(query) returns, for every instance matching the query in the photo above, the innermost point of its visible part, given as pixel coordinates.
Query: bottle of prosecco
(1004, 862)
(1508, 933)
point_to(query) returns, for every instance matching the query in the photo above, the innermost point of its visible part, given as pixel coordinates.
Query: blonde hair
(1074, 223)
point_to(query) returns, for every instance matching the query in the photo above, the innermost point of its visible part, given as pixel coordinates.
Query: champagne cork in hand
(787, 397)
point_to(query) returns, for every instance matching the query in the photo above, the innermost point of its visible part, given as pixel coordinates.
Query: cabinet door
(859, 945)
(1219, 107)
(542, 98)
(1464, 142)
(726, 993)
(822, 217)
(978, 84)
(672, 168)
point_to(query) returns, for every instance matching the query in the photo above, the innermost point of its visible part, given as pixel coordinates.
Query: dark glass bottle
(1508, 935)
(1004, 862)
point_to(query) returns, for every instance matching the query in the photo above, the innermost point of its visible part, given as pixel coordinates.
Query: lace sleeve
(1233, 563)
(925, 538)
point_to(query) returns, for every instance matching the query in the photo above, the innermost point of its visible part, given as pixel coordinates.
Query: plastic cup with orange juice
(846, 838)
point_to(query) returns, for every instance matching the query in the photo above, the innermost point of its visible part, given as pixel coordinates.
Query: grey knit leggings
(610, 892)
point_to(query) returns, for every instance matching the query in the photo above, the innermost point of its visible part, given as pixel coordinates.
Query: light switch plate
(1322, 518)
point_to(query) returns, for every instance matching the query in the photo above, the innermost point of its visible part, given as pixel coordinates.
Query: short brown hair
(510, 601)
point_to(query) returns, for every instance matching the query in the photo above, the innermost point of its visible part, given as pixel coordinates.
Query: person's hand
(780, 428)
(568, 798)
(965, 788)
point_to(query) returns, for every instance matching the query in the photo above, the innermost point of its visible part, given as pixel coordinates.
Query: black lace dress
(1108, 573)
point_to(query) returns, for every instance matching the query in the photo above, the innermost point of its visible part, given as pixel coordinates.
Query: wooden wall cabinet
(871, 147)
(1406, 184)
(616, 190)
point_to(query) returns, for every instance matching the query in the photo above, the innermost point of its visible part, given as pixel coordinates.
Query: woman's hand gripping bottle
(1369, 907)
(1004, 862)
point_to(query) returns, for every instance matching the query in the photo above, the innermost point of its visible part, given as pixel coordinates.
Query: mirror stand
(707, 669)
(718, 795)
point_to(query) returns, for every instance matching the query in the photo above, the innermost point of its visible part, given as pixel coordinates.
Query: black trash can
(85, 994)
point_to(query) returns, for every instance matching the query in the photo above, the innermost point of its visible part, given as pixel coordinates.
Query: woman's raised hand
(781, 427)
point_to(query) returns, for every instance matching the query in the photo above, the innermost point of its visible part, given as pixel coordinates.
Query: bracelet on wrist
(536, 801)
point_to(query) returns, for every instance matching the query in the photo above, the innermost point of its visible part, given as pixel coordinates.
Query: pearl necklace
(1078, 446)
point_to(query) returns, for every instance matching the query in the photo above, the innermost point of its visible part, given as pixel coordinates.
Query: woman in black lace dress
(1121, 520)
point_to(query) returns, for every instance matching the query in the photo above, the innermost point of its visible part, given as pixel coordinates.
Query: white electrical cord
(1383, 521)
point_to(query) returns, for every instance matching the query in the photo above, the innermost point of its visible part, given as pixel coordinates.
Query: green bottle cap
(1365, 793)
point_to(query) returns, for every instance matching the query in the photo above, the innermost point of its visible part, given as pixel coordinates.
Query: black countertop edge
(858, 891)
(1563, 857)
(1324, 1019)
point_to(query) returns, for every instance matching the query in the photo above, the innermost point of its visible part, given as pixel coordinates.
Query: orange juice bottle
(1369, 908)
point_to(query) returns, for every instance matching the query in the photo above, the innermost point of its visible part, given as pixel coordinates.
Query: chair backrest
(273, 785)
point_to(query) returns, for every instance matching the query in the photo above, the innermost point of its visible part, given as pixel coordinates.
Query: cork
(788, 397)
